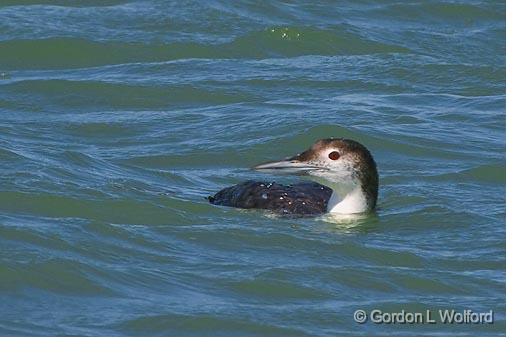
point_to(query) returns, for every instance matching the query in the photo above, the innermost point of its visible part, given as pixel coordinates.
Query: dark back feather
(303, 198)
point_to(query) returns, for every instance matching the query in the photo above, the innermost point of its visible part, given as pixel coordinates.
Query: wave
(196, 323)
(445, 12)
(120, 210)
(91, 3)
(116, 95)
(64, 52)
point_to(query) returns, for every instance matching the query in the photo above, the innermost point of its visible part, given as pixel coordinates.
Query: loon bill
(345, 168)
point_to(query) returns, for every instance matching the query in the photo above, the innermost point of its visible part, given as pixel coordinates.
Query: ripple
(58, 53)
(202, 323)
(115, 95)
(10, 156)
(91, 3)
(491, 173)
(274, 290)
(112, 210)
(56, 275)
(106, 130)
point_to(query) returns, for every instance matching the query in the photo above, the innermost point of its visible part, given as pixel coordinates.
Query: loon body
(303, 198)
(344, 168)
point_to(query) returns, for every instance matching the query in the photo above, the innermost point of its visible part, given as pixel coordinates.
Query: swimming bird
(346, 175)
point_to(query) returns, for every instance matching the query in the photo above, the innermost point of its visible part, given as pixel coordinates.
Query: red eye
(334, 155)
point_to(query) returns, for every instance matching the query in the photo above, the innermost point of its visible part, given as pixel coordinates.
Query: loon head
(344, 165)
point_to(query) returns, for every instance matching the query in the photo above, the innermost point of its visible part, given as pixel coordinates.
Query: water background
(118, 117)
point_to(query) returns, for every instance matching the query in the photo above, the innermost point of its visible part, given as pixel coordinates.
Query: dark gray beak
(290, 165)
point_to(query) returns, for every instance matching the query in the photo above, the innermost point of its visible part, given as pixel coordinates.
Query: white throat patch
(351, 203)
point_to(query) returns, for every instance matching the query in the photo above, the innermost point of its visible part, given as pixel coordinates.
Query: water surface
(118, 117)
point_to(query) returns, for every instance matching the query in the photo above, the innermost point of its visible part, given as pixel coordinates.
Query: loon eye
(334, 155)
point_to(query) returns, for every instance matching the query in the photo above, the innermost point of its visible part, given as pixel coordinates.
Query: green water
(118, 118)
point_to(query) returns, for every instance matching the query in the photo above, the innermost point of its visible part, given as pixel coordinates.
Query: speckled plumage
(306, 198)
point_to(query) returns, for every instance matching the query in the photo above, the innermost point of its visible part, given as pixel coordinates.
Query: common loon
(345, 168)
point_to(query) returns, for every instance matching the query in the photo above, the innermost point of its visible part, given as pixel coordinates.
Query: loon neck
(355, 201)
